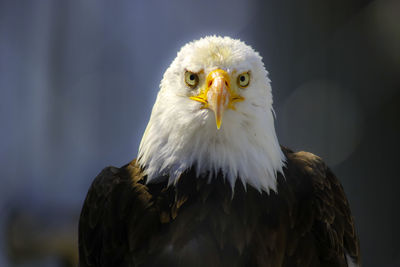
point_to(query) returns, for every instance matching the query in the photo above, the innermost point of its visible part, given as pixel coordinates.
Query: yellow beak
(217, 94)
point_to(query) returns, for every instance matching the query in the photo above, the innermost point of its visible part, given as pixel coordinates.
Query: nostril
(209, 83)
(226, 83)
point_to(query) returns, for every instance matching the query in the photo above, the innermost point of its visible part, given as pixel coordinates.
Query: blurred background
(78, 80)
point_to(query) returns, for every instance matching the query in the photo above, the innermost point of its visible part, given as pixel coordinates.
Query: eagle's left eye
(191, 79)
(243, 79)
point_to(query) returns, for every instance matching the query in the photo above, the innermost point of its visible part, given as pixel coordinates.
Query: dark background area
(78, 80)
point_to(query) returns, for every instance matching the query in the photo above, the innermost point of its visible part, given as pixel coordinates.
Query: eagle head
(214, 113)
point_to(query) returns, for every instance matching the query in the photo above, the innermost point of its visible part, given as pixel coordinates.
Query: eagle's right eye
(191, 79)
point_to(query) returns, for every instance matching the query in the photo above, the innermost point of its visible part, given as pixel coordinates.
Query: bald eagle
(211, 185)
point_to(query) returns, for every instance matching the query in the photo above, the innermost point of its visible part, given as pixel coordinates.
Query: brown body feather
(125, 222)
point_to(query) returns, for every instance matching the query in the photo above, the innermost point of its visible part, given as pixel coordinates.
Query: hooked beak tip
(218, 94)
(219, 122)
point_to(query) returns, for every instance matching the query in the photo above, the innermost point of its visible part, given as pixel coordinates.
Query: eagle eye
(243, 79)
(191, 79)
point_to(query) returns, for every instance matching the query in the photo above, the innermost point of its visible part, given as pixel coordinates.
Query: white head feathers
(180, 134)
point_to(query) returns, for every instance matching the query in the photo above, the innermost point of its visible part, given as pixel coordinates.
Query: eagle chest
(204, 223)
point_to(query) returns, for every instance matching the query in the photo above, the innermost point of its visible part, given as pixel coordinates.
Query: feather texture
(126, 222)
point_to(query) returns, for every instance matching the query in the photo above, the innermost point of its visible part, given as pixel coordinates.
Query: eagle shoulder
(322, 213)
(116, 214)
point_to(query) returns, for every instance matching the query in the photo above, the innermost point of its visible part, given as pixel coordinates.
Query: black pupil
(192, 77)
(242, 78)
